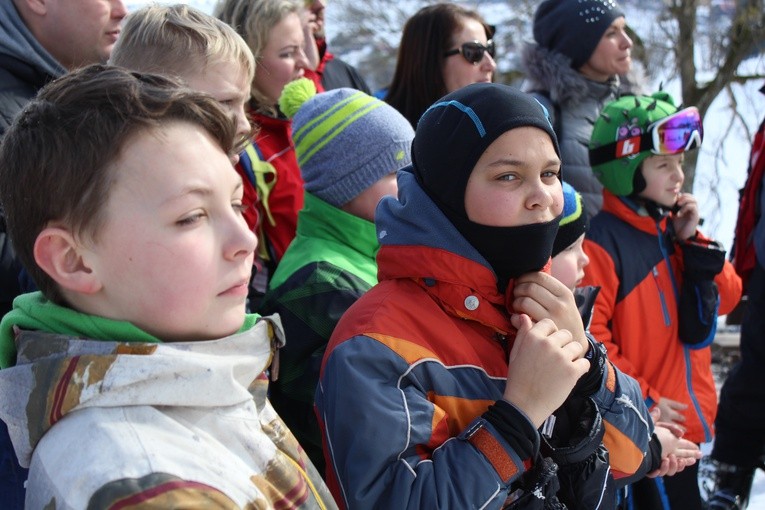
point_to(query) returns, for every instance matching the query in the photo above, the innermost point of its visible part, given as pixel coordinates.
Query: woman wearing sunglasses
(576, 64)
(663, 283)
(443, 48)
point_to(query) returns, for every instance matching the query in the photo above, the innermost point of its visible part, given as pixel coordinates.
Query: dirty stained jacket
(104, 424)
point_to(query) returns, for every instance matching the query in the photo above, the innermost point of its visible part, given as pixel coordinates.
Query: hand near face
(541, 296)
(541, 348)
(687, 218)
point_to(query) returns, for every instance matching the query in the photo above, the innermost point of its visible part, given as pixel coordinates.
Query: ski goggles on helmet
(473, 51)
(680, 132)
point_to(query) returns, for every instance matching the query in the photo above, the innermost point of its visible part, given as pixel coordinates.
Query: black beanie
(454, 132)
(450, 138)
(574, 27)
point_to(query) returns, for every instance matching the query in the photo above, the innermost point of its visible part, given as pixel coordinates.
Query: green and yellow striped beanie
(345, 140)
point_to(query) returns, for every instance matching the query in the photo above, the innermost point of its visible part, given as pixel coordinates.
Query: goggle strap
(620, 149)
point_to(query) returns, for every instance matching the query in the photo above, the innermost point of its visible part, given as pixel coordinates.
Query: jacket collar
(419, 243)
(551, 71)
(630, 212)
(323, 220)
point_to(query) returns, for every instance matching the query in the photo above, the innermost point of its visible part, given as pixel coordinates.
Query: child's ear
(59, 254)
(39, 7)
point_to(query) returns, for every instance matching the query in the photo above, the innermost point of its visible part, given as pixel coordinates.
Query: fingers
(523, 324)
(676, 429)
(542, 348)
(688, 450)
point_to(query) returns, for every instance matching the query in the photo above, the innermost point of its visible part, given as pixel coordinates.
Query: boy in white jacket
(135, 375)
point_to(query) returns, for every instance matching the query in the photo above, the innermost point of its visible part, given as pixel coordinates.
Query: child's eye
(508, 177)
(239, 207)
(190, 220)
(550, 173)
(289, 52)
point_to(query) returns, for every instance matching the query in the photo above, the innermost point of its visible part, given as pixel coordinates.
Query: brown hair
(418, 80)
(56, 159)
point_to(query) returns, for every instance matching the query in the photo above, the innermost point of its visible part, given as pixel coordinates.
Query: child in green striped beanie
(349, 146)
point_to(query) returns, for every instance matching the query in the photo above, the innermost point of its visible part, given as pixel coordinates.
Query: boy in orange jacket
(662, 282)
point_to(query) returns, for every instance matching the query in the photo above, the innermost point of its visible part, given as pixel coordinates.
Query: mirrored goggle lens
(679, 132)
(473, 51)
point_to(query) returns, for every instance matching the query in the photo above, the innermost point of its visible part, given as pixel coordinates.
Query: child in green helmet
(663, 283)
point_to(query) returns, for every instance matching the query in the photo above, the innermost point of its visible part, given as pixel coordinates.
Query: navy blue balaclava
(449, 140)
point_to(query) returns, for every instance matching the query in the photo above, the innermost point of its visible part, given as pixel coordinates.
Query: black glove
(699, 297)
(590, 382)
(537, 488)
(576, 446)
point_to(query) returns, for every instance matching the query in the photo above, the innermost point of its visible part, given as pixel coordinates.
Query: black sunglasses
(473, 51)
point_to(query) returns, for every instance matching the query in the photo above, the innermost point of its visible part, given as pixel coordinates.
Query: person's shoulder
(338, 73)
(19, 82)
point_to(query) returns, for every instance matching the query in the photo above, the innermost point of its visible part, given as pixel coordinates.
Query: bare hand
(542, 296)
(686, 454)
(677, 453)
(543, 367)
(686, 220)
(671, 410)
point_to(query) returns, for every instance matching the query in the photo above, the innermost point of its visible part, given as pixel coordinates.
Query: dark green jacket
(327, 267)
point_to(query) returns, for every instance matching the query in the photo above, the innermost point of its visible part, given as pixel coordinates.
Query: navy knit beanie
(454, 132)
(345, 140)
(574, 27)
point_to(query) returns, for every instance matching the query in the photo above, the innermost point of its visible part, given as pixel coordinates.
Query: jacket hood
(551, 71)
(58, 374)
(16, 41)
(419, 243)
(415, 220)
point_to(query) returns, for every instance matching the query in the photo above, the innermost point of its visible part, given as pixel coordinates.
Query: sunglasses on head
(473, 51)
(680, 132)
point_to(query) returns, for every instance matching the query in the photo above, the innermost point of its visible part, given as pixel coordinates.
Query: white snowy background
(722, 163)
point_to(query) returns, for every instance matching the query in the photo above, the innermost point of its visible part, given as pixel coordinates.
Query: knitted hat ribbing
(574, 27)
(345, 140)
(574, 221)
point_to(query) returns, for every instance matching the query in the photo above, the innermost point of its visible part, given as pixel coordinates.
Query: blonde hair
(253, 20)
(178, 40)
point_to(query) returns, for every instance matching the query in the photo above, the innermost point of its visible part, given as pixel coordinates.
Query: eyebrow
(289, 47)
(520, 163)
(199, 190)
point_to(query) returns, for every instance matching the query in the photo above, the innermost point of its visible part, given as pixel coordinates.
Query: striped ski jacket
(414, 364)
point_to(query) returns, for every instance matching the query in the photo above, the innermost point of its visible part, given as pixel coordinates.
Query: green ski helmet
(627, 131)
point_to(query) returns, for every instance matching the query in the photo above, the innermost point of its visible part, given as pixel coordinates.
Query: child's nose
(241, 240)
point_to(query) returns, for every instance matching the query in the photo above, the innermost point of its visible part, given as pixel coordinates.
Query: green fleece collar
(35, 312)
(320, 218)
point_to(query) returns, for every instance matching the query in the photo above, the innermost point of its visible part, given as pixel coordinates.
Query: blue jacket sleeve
(626, 418)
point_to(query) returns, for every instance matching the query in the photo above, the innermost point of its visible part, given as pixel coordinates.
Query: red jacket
(636, 316)
(278, 212)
